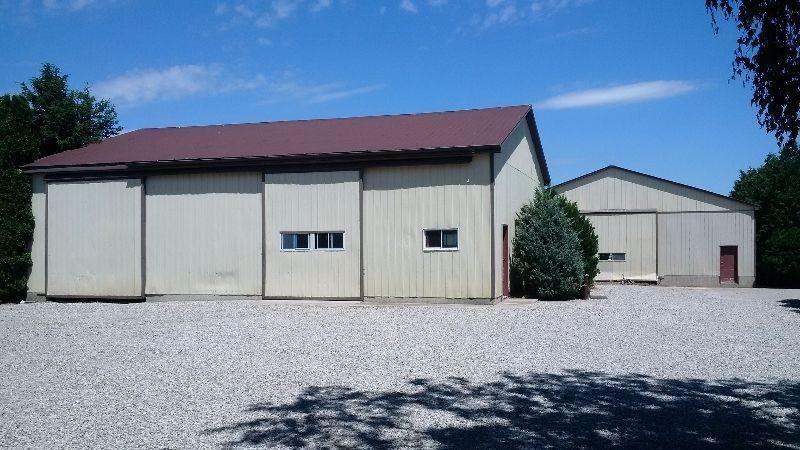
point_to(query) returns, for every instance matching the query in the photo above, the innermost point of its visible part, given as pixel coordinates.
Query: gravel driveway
(647, 366)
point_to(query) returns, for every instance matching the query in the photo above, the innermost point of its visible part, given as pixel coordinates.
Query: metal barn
(652, 229)
(417, 207)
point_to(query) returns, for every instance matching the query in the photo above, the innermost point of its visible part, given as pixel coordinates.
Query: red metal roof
(438, 130)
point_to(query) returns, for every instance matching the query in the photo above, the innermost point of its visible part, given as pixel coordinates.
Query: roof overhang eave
(266, 161)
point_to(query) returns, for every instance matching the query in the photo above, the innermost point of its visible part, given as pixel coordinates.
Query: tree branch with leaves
(768, 58)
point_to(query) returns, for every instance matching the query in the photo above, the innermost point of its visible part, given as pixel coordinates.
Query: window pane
(322, 240)
(605, 257)
(337, 240)
(302, 240)
(618, 256)
(433, 238)
(450, 239)
(287, 241)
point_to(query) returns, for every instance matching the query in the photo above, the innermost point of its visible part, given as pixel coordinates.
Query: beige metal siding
(517, 175)
(399, 202)
(319, 201)
(692, 224)
(203, 234)
(616, 189)
(94, 238)
(689, 243)
(39, 205)
(632, 234)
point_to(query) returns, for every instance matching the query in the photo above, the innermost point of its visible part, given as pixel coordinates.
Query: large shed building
(652, 229)
(417, 206)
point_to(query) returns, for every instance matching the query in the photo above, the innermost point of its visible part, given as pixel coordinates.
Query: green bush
(586, 236)
(547, 256)
(16, 231)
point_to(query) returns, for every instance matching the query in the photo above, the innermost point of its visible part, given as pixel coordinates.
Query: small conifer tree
(547, 255)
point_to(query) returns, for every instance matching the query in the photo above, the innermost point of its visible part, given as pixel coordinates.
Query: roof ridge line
(323, 119)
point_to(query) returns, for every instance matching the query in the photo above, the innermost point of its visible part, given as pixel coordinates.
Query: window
(294, 241)
(441, 240)
(322, 240)
(612, 257)
(330, 241)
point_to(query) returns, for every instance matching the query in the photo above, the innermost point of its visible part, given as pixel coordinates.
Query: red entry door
(506, 286)
(727, 264)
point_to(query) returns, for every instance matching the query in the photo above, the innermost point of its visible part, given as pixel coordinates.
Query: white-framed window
(440, 239)
(312, 240)
(612, 257)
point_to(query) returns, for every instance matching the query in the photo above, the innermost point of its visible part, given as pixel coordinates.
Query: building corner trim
(361, 233)
(492, 281)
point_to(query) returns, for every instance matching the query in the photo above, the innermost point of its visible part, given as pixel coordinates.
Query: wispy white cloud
(622, 94)
(143, 86)
(575, 32)
(278, 10)
(541, 8)
(319, 5)
(408, 6)
(500, 12)
(70, 5)
(338, 94)
(153, 85)
(267, 14)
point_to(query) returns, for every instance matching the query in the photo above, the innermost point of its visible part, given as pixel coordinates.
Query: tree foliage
(65, 118)
(586, 235)
(46, 118)
(547, 255)
(774, 189)
(16, 218)
(768, 56)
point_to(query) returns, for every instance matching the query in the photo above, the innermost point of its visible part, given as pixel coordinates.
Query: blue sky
(640, 84)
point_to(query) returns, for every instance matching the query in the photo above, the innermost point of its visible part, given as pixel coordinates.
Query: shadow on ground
(791, 303)
(534, 410)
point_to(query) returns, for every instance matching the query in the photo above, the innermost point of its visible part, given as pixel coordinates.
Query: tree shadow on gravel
(791, 303)
(584, 409)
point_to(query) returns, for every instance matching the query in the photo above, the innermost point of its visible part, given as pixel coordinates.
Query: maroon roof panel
(439, 130)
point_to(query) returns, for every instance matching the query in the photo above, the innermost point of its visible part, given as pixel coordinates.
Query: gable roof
(563, 186)
(476, 129)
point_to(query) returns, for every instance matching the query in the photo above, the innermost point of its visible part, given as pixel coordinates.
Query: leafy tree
(586, 235)
(48, 117)
(64, 118)
(779, 257)
(768, 56)
(774, 189)
(16, 218)
(547, 254)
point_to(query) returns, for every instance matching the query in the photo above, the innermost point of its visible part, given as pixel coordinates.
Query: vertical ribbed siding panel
(309, 202)
(399, 202)
(690, 242)
(632, 234)
(94, 238)
(38, 205)
(204, 234)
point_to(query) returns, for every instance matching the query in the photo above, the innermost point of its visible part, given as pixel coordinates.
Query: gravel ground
(648, 366)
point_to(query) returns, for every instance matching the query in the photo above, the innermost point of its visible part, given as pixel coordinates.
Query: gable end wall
(516, 176)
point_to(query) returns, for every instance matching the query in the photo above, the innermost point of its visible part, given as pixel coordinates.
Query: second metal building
(652, 229)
